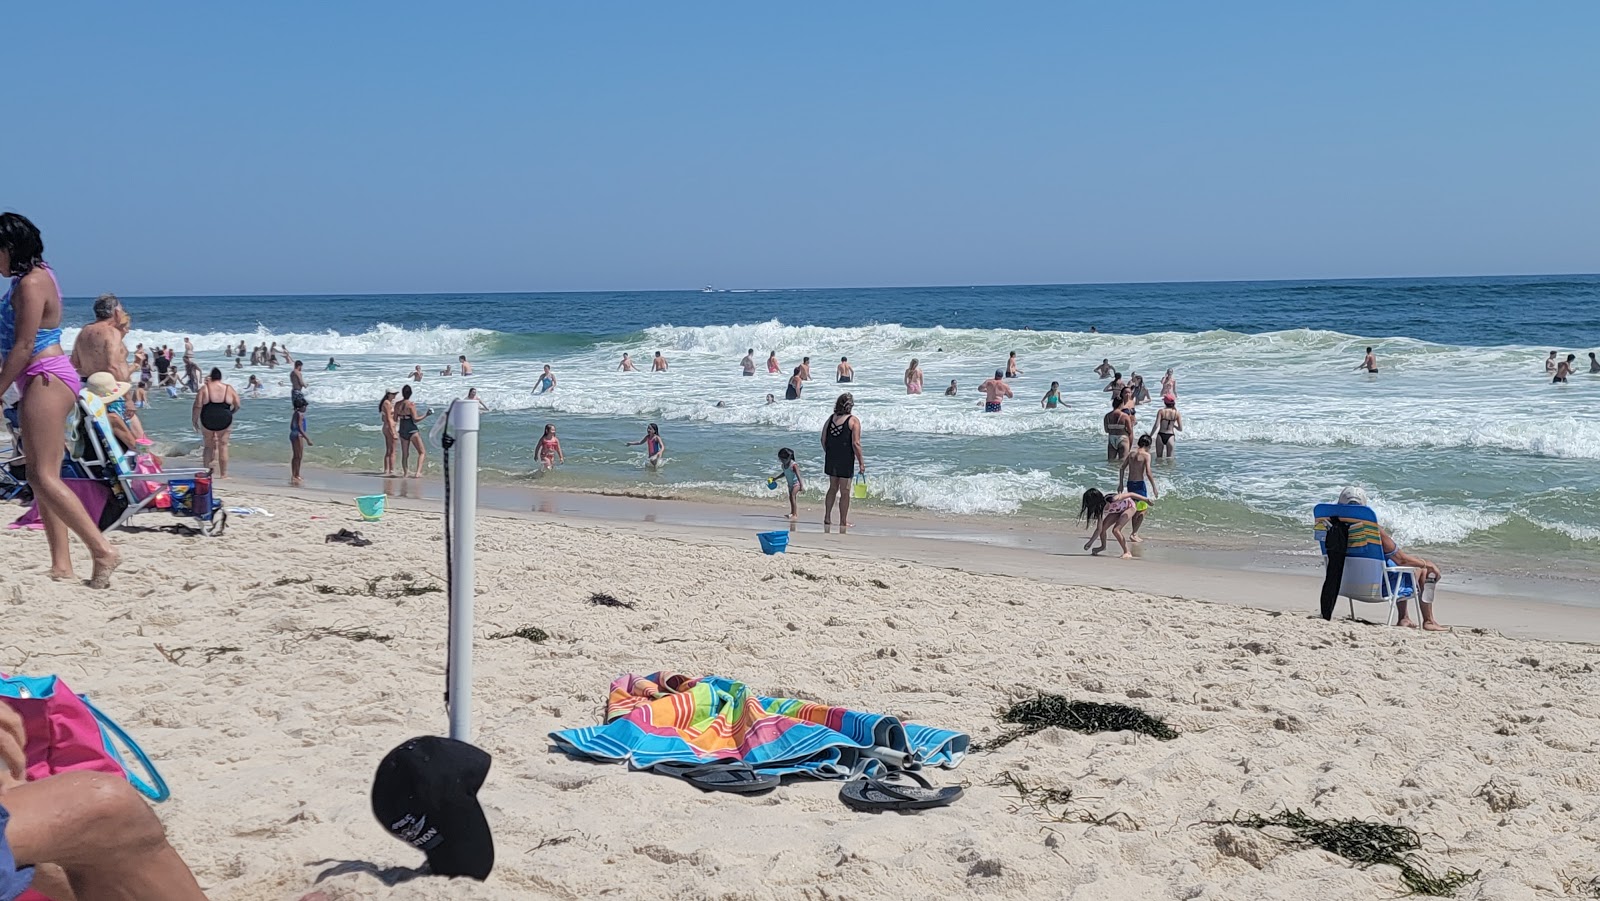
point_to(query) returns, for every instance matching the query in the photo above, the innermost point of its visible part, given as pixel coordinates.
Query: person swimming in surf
(994, 390)
(1549, 363)
(747, 366)
(1168, 423)
(1169, 384)
(1104, 369)
(1118, 427)
(1141, 393)
(1011, 366)
(1594, 364)
(846, 372)
(772, 363)
(951, 391)
(1369, 363)
(654, 447)
(547, 381)
(1052, 398)
(914, 378)
(626, 365)
(797, 382)
(1563, 369)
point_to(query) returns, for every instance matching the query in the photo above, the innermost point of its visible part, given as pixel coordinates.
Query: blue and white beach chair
(1369, 577)
(95, 454)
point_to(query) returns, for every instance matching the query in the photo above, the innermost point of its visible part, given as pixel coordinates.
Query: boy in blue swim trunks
(1138, 478)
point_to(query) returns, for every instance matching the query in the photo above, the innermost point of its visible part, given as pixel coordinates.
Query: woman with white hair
(1431, 574)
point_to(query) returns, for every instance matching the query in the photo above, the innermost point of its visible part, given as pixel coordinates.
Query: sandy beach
(1485, 744)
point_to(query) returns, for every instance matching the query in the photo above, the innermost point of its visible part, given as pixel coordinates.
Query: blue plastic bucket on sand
(773, 542)
(371, 506)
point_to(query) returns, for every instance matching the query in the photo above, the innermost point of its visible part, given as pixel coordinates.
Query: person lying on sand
(1431, 573)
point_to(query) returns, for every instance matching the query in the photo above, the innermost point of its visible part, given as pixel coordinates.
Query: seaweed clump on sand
(600, 599)
(531, 633)
(1363, 842)
(1047, 710)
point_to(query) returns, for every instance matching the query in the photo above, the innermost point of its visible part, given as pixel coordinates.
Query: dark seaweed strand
(1089, 717)
(1363, 842)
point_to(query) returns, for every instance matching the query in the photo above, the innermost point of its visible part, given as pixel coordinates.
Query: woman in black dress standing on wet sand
(841, 458)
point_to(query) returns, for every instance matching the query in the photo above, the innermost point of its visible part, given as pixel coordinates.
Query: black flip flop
(875, 795)
(345, 536)
(721, 776)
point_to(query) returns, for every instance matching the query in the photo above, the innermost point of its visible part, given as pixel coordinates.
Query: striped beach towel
(668, 717)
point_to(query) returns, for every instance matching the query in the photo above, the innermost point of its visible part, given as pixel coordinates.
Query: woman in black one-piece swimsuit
(841, 458)
(214, 406)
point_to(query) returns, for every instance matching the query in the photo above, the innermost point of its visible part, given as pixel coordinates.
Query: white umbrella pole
(464, 532)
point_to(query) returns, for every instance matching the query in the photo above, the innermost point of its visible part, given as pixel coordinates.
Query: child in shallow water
(1112, 513)
(550, 448)
(790, 473)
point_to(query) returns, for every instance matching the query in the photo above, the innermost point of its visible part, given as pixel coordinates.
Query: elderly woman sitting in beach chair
(1368, 566)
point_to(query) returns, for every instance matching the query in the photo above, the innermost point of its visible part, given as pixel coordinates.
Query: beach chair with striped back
(95, 454)
(1362, 574)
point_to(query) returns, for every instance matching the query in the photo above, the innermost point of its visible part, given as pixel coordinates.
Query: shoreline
(1276, 579)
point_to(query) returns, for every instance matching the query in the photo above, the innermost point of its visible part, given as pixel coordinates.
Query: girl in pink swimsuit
(34, 361)
(1111, 513)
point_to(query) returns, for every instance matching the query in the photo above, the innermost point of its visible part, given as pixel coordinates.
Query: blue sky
(303, 147)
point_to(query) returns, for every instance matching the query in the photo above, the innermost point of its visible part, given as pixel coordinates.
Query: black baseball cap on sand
(425, 793)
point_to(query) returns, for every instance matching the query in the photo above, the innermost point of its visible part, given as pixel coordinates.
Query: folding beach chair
(13, 466)
(1367, 576)
(95, 454)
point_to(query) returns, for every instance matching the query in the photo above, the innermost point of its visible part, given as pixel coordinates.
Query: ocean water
(1460, 439)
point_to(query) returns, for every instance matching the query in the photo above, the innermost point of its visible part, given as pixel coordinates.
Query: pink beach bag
(68, 734)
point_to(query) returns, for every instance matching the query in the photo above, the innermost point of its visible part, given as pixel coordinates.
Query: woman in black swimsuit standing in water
(796, 383)
(214, 406)
(841, 458)
(405, 414)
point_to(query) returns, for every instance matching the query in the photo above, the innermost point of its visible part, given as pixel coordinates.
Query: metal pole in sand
(464, 531)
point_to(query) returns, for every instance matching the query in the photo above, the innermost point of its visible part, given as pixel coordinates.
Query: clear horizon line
(699, 290)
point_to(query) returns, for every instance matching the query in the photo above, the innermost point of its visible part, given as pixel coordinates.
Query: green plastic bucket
(371, 506)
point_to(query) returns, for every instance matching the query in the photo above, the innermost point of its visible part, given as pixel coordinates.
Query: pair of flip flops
(873, 794)
(345, 536)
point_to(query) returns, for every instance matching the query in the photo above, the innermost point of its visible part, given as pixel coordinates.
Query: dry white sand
(1487, 745)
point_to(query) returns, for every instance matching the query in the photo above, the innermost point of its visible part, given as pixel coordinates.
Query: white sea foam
(381, 339)
(1274, 423)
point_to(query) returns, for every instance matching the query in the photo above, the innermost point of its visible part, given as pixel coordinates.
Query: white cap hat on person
(105, 386)
(1353, 497)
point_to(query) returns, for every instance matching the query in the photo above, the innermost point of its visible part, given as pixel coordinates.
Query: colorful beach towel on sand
(670, 717)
